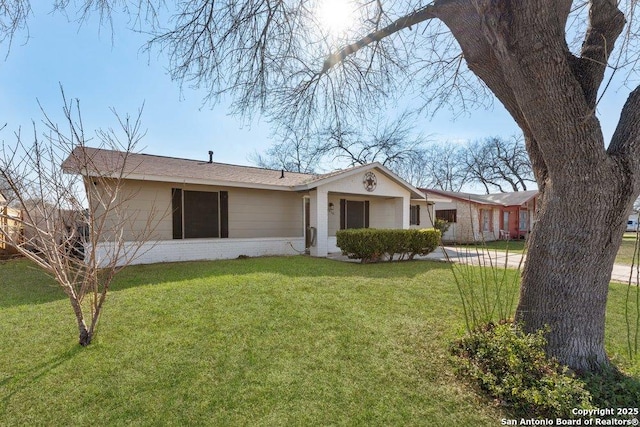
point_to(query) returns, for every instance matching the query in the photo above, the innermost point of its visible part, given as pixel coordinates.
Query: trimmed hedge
(372, 245)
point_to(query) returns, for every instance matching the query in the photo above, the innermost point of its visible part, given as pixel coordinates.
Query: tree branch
(423, 14)
(626, 139)
(606, 23)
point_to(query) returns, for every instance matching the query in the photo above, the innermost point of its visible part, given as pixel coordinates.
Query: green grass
(265, 341)
(625, 253)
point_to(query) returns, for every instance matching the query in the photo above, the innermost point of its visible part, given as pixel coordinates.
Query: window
(449, 215)
(414, 215)
(485, 220)
(354, 214)
(199, 214)
(524, 220)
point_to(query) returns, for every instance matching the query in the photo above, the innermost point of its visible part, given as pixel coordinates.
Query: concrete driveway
(488, 258)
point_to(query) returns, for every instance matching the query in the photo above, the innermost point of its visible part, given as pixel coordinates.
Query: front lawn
(265, 341)
(625, 253)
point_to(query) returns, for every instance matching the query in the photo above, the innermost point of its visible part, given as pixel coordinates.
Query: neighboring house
(50, 219)
(215, 211)
(10, 224)
(484, 217)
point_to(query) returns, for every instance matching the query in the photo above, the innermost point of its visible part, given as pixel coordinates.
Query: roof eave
(197, 181)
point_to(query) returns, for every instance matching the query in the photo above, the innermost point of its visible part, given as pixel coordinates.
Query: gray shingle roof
(101, 162)
(500, 199)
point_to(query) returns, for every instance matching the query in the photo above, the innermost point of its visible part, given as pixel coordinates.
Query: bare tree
(544, 60)
(296, 152)
(66, 218)
(498, 163)
(392, 143)
(443, 167)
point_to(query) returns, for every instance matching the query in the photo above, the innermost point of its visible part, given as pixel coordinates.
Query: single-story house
(484, 217)
(222, 211)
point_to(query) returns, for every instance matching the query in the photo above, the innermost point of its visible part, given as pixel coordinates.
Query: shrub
(512, 367)
(371, 245)
(441, 225)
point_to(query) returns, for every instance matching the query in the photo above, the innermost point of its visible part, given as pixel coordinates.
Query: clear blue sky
(105, 73)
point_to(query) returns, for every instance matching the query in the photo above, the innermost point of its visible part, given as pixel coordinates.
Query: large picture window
(199, 214)
(354, 214)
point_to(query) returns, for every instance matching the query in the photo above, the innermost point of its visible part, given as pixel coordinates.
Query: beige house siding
(386, 209)
(142, 205)
(263, 213)
(382, 212)
(352, 184)
(252, 213)
(426, 214)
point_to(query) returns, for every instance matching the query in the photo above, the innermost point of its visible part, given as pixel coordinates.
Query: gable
(366, 182)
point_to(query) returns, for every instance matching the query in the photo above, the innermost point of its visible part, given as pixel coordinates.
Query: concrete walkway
(489, 258)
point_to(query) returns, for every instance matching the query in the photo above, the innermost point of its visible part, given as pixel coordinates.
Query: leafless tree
(498, 163)
(295, 151)
(389, 142)
(443, 167)
(66, 219)
(543, 60)
(392, 143)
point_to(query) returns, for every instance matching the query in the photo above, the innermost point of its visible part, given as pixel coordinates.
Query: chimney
(282, 174)
(210, 156)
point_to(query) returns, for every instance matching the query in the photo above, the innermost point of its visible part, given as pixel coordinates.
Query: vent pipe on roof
(282, 174)
(210, 156)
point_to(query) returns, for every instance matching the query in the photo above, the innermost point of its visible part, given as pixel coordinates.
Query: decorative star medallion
(370, 181)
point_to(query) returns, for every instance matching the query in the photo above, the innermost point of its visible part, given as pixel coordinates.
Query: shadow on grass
(613, 389)
(13, 384)
(22, 283)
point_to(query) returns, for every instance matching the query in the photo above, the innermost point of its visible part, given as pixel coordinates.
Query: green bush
(372, 245)
(442, 225)
(511, 366)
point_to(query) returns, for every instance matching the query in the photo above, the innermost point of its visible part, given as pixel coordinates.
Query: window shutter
(366, 214)
(176, 209)
(343, 214)
(417, 214)
(224, 214)
(201, 214)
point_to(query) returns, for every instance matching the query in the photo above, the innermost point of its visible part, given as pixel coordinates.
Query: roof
(2, 199)
(515, 198)
(100, 162)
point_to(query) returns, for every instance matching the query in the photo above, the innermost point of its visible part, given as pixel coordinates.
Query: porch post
(403, 212)
(319, 220)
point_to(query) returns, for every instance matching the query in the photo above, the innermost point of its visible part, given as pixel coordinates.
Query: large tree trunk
(519, 50)
(565, 281)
